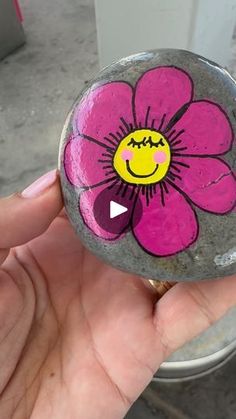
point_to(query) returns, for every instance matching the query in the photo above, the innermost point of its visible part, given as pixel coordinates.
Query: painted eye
(161, 142)
(134, 143)
(152, 144)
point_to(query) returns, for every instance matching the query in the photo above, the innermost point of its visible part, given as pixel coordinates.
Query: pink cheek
(160, 157)
(127, 155)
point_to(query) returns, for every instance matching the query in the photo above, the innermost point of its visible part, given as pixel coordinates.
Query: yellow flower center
(142, 157)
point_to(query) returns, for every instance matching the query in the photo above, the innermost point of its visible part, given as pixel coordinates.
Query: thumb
(26, 215)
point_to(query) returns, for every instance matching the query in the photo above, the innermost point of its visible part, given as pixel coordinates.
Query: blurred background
(48, 52)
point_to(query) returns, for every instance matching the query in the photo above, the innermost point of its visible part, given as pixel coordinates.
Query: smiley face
(142, 157)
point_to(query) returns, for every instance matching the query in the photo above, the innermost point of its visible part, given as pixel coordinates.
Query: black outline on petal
(103, 182)
(70, 138)
(177, 116)
(180, 251)
(230, 125)
(162, 67)
(95, 86)
(198, 206)
(93, 140)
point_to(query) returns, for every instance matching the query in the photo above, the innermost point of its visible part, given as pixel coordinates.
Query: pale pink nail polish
(40, 185)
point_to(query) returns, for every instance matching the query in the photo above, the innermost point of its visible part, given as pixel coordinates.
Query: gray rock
(184, 228)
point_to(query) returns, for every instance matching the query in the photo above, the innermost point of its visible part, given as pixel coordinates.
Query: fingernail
(40, 185)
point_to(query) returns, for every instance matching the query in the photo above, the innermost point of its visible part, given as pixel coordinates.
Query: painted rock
(147, 162)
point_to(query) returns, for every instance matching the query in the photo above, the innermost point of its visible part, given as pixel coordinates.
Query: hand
(79, 339)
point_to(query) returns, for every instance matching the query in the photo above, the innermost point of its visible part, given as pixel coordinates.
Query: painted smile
(139, 176)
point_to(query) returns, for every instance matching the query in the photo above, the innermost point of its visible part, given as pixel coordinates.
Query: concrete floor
(38, 85)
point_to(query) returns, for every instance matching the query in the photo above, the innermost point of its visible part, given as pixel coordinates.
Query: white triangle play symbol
(116, 209)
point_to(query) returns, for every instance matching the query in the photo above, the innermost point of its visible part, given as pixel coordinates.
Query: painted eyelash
(135, 143)
(144, 143)
(152, 144)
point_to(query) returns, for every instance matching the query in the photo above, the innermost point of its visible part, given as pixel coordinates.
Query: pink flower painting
(156, 144)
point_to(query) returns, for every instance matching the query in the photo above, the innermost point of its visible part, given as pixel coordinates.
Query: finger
(27, 215)
(188, 309)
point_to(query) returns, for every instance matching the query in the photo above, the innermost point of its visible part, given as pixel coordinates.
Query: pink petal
(207, 130)
(165, 230)
(94, 207)
(101, 110)
(165, 90)
(208, 182)
(82, 162)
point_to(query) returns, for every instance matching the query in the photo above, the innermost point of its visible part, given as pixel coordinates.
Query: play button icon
(116, 209)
